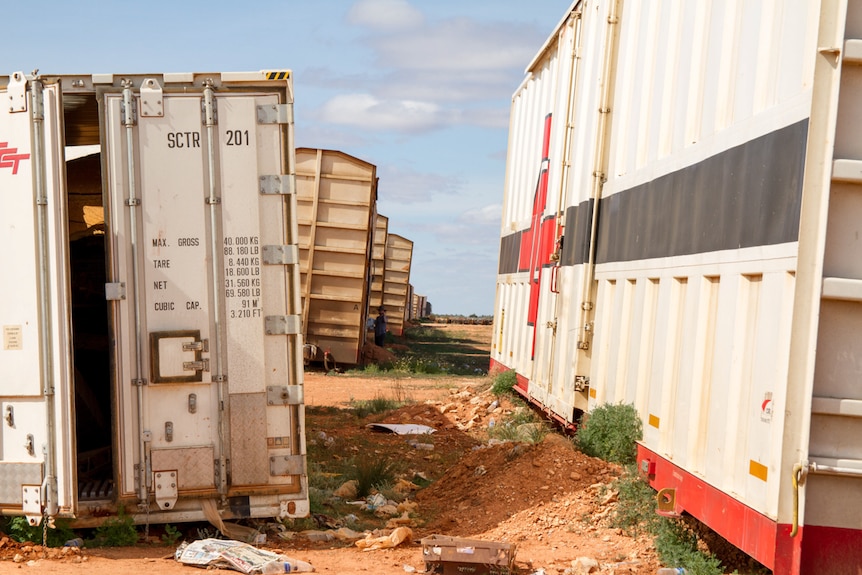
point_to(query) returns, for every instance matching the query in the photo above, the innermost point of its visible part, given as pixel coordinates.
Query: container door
(197, 224)
(36, 455)
(832, 529)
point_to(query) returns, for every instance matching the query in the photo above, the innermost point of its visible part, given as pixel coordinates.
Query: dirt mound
(11, 550)
(492, 483)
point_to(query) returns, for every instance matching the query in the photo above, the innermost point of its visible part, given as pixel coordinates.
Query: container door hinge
(217, 470)
(115, 291)
(152, 102)
(280, 465)
(281, 324)
(32, 498)
(17, 92)
(284, 395)
(275, 114)
(130, 118)
(284, 184)
(281, 255)
(166, 488)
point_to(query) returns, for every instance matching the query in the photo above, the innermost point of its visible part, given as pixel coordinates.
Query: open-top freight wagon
(337, 218)
(396, 282)
(151, 352)
(681, 232)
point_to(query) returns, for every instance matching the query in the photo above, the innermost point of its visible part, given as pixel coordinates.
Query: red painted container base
(815, 550)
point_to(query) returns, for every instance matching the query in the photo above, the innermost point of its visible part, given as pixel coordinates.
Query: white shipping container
(151, 352)
(680, 232)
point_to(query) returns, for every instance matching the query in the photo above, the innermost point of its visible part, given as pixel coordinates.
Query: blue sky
(421, 89)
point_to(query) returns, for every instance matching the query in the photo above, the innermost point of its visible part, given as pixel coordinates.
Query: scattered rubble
(11, 550)
(549, 500)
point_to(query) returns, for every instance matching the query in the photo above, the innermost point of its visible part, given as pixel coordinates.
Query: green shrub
(610, 433)
(20, 530)
(117, 531)
(171, 535)
(504, 382)
(677, 545)
(635, 512)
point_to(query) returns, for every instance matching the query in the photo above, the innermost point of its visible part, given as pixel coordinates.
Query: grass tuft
(504, 382)
(521, 425)
(373, 473)
(379, 404)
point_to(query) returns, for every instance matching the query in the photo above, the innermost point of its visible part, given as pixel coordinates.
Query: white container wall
(167, 296)
(707, 273)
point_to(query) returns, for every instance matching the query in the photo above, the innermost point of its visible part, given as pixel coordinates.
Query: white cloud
(446, 85)
(427, 74)
(406, 186)
(486, 215)
(385, 15)
(478, 228)
(370, 113)
(458, 44)
(311, 135)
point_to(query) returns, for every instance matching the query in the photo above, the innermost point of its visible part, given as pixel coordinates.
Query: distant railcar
(396, 282)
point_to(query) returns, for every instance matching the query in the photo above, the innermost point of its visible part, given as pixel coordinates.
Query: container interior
(91, 335)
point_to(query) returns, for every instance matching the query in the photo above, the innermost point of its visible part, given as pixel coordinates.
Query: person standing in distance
(380, 327)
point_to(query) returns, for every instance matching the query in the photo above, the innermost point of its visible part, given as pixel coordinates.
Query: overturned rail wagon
(151, 351)
(396, 282)
(337, 205)
(681, 231)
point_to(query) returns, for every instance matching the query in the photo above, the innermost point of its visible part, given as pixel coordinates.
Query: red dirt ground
(546, 498)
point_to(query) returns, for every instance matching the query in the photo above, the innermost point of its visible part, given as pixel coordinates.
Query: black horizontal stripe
(510, 250)
(743, 197)
(747, 196)
(576, 236)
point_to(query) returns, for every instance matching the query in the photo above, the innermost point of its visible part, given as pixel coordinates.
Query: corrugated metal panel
(336, 199)
(378, 262)
(399, 255)
(706, 189)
